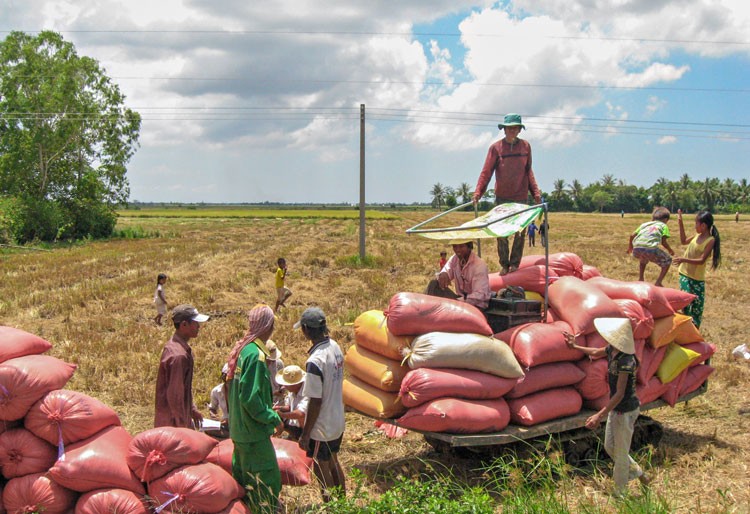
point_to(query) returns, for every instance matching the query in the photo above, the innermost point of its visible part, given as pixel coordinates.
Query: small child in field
(293, 409)
(692, 265)
(282, 292)
(159, 299)
(443, 260)
(644, 244)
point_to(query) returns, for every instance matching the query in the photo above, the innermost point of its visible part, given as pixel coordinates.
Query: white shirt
(296, 402)
(219, 401)
(325, 380)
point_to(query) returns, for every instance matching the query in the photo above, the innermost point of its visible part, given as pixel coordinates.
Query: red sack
(457, 416)
(539, 343)
(648, 295)
(39, 492)
(651, 391)
(547, 376)
(564, 263)
(15, 342)
(578, 303)
(71, 415)
(530, 278)
(23, 453)
(294, 464)
(590, 272)
(652, 357)
(98, 462)
(416, 314)
(694, 378)
(677, 299)
(640, 319)
(117, 501)
(595, 383)
(200, 488)
(424, 384)
(545, 405)
(221, 455)
(236, 507)
(706, 350)
(24, 380)
(155, 452)
(597, 404)
(672, 393)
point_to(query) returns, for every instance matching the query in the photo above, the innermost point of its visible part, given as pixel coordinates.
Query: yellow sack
(532, 295)
(378, 371)
(667, 328)
(369, 400)
(370, 332)
(676, 360)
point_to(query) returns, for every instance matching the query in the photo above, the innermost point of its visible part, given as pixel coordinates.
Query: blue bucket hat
(511, 120)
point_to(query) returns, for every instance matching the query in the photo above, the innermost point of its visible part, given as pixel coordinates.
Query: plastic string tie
(174, 498)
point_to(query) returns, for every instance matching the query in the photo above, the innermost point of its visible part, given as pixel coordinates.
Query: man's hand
(593, 421)
(444, 280)
(475, 198)
(197, 418)
(538, 199)
(279, 429)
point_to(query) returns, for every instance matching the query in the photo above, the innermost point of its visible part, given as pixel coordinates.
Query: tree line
(609, 194)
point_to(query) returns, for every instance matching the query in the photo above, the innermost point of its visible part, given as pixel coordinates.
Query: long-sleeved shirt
(471, 279)
(514, 178)
(251, 414)
(174, 385)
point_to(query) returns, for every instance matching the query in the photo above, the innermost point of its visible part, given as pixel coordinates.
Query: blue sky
(258, 101)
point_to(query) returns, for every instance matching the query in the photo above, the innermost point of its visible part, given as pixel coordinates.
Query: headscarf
(260, 318)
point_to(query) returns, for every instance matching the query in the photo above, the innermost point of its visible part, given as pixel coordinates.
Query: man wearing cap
(469, 274)
(174, 381)
(510, 160)
(623, 407)
(324, 380)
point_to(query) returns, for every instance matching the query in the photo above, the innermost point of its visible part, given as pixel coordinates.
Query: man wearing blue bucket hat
(509, 159)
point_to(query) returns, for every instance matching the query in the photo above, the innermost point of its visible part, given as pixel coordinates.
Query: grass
(93, 302)
(212, 212)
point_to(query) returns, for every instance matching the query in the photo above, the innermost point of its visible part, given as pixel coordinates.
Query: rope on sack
(174, 498)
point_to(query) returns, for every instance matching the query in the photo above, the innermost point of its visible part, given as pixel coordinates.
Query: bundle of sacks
(62, 451)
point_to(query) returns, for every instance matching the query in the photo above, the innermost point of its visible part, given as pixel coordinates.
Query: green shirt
(251, 416)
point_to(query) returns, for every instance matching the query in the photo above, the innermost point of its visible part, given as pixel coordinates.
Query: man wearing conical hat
(469, 275)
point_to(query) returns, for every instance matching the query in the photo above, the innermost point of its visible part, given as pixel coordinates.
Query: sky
(260, 101)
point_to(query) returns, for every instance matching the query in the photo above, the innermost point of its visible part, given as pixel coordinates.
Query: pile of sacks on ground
(62, 451)
(434, 365)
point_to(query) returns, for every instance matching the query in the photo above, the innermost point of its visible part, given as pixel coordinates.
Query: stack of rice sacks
(63, 451)
(459, 372)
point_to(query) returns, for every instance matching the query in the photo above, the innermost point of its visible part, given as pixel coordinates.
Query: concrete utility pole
(362, 182)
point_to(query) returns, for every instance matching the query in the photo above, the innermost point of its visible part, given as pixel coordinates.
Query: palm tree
(607, 181)
(438, 195)
(465, 192)
(576, 191)
(685, 182)
(709, 192)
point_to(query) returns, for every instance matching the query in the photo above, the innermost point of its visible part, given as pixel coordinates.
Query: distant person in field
(293, 408)
(623, 408)
(469, 274)
(737, 217)
(443, 259)
(532, 234)
(252, 420)
(160, 300)
(644, 244)
(274, 364)
(282, 292)
(692, 265)
(174, 381)
(509, 159)
(543, 229)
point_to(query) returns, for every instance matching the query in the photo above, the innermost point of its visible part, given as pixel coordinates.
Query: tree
(438, 195)
(65, 137)
(465, 192)
(601, 199)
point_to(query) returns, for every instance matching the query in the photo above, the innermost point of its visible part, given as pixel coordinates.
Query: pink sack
(595, 383)
(706, 350)
(117, 501)
(199, 488)
(694, 378)
(416, 314)
(677, 299)
(24, 380)
(23, 453)
(221, 455)
(590, 272)
(596, 404)
(651, 391)
(564, 263)
(539, 343)
(424, 384)
(98, 462)
(71, 415)
(672, 393)
(648, 295)
(155, 452)
(578, 303)
(457, 416)
(294, 464)
(15, 342)
(236, 507)
(652, 357)
(545, 405)
(40, 492)
(546, 376)
(530, 278)
(640, 319)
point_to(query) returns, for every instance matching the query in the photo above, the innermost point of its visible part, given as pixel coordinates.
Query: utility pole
(362, 183)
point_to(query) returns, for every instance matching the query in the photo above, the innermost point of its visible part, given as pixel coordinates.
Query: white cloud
(666, 140)
(655, 104)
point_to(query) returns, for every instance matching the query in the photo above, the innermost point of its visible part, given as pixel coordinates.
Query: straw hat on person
(618, 332)
(290, 375)
(273, 351)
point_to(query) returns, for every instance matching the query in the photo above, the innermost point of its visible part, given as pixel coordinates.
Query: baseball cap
(313, 317)
(187, 312)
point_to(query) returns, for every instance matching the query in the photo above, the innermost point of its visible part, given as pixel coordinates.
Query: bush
(28, 219)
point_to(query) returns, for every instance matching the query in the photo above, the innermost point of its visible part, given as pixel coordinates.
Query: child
(443, 260)
(282, 293)
(532, 234)
(159, 299)
(693, 264)
(293, 409)
(623, 407)
(644, 244)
